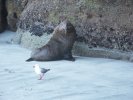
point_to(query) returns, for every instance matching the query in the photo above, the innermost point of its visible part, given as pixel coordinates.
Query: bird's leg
(40, 77)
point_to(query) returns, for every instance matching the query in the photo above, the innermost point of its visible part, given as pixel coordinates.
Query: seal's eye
(33, 66)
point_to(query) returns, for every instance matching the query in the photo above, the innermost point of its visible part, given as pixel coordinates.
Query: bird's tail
(30, 59)
(48, 69)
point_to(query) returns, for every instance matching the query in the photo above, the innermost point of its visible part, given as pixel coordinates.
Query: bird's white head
(36, 66)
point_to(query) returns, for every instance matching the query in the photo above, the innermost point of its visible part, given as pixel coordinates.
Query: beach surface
(84, 79)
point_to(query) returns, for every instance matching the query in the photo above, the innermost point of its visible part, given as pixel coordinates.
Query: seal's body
(59, 46)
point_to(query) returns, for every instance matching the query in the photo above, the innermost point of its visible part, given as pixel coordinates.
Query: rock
(82, 49)
(27, 40)
(3, 14)
(38, 29)
(14, 9)
(98, 23)
(12, 22)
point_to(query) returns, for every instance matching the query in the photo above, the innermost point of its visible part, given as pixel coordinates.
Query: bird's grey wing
(43, 70)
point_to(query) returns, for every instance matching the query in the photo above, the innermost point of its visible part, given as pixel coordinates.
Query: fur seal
(59, 46)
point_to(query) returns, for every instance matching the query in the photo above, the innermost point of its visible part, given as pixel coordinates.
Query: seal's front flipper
(69, 57)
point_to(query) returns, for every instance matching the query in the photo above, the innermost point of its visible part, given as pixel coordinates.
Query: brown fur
(59, 46)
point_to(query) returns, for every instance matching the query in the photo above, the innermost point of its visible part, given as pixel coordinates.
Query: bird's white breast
(37, 70)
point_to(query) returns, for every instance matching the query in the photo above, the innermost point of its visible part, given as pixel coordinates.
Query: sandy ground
(85, 79)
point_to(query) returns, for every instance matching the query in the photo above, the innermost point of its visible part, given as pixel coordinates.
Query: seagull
(40, 71)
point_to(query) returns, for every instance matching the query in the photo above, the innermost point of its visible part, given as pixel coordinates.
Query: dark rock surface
(14, 9)
(3, 14)
(39, 29)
